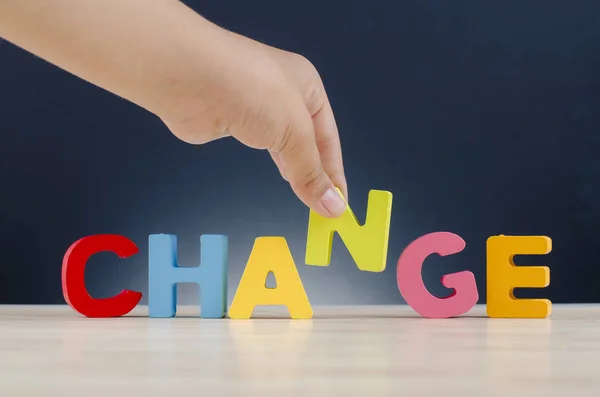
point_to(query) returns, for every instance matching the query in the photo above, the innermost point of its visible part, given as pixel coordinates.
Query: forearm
(132, 48)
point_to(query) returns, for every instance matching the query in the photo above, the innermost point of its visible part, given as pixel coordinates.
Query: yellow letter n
(367, 244)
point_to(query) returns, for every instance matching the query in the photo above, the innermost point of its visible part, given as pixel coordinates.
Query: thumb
(300, 158)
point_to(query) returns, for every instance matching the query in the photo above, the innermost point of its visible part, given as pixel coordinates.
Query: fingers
(277, 162)
(299, 156)
(328, 144)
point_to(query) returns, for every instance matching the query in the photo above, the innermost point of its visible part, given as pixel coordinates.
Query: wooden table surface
(344, 351)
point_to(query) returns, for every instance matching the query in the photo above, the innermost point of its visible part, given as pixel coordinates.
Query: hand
(204, 82)
(268, 99)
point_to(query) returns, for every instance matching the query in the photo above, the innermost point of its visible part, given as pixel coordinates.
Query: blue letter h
(164, 273)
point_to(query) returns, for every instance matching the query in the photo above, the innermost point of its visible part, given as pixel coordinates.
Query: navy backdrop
(482, 118)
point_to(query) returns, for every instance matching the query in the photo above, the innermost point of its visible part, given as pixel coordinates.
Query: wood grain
(342, 351)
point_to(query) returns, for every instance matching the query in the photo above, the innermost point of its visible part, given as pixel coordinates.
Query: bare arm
(132, 48)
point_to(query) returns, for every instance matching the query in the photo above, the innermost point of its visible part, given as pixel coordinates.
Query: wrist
(184, 57)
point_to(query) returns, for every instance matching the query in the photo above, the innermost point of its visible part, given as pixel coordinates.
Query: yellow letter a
(368, 244)
(270, 254)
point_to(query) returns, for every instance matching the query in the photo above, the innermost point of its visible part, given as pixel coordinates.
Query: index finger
(329, 145)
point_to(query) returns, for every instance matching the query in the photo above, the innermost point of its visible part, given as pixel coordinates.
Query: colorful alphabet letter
(164, 273)
(503, 276)
(73, 276)
(368, 244)
(410, 281)
(270, 254)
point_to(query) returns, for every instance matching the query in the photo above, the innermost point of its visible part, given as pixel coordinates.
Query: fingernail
(333, 202)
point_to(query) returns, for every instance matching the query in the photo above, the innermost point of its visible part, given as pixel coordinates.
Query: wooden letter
(73, 276)
(368, 244)
(411, 285)
(503, 276)
(270, 254)
(164, 273)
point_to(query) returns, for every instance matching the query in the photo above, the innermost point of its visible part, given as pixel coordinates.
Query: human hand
(268, 99)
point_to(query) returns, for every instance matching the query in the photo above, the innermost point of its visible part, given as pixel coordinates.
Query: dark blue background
(481, 117)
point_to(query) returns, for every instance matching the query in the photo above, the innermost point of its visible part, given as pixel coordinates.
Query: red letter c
(73, 276)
